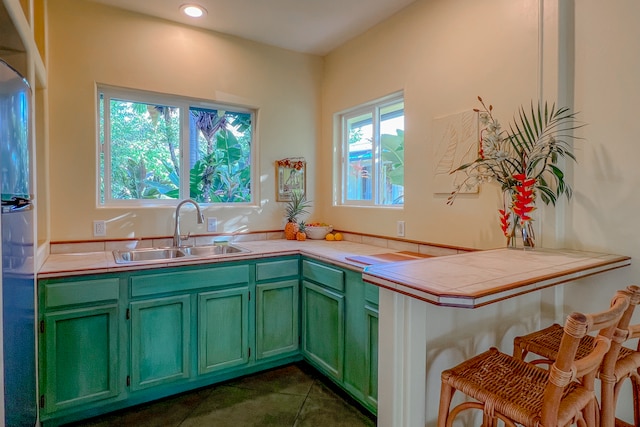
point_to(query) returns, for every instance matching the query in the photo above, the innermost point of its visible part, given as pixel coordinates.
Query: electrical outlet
(99, 228)
(212, 224)
(400, 226)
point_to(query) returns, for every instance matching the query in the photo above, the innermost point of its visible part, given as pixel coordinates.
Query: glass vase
(521, 236)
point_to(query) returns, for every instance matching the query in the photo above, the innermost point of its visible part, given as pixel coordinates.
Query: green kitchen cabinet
(108, 341)
(361, 332)
(160, 341)
(370, 385)
(277, 308)
(79, 343)
(340, 328)
(223, 329)
(323, 317)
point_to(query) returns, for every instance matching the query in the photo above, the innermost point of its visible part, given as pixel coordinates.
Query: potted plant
(296, 206)
(524, 161)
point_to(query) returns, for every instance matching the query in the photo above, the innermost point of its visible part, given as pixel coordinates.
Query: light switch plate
(400, 226)
(212, 224)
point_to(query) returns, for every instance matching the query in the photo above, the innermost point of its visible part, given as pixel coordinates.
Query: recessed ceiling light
(193, 10)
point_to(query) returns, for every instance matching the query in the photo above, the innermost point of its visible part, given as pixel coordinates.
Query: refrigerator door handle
(15, 203)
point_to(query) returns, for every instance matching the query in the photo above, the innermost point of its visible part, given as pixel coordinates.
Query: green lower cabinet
(277, 318)
(188, 327)
(370, 388)
(160, 341)
(81, 357)
(361, 348)
(223, 329)
(323, 328)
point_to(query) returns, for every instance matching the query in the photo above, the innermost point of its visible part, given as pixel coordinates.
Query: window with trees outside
(157, 148)
(372, 149)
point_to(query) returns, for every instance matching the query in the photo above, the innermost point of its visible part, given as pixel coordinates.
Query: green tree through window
(155, 147)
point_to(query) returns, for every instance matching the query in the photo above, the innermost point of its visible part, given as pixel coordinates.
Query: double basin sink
(158, 254)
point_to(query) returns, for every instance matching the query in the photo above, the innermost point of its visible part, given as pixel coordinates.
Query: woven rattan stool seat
(508, 389)
(620, 364)
(546, 342)
(513, 387)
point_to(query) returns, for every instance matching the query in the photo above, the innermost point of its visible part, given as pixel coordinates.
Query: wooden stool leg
(608, 402)
(635, 383)
(446, 394)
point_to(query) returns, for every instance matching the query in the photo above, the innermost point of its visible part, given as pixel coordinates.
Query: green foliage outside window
(145, 152)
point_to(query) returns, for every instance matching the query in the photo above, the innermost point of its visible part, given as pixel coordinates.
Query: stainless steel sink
(212, 250)
(150, 254)
(159, 254)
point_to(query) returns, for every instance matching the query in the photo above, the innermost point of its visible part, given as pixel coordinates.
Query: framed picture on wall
(291, 174)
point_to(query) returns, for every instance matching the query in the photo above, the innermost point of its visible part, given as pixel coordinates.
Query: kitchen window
(157, 148)
(372, 153)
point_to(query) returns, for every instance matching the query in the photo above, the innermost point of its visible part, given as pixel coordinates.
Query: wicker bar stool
(619, 364)
(514, 391)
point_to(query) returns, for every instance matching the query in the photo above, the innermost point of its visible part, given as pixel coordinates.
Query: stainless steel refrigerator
(18, 281)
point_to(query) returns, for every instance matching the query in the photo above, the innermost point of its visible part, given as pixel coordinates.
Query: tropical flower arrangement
(523, 160)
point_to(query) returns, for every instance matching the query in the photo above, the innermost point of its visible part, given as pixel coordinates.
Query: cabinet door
(323, 328)
(223, 329)
(371, 356)
(277, 318)
(160, 330)
(80, 360)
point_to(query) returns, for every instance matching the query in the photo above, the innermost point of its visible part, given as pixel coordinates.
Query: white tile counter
(479, 278)
(69, 264)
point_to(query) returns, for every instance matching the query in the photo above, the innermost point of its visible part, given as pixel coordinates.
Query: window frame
(342, 149)
(184, 103)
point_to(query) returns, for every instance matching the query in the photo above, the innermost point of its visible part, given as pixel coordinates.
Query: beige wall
(90, 44)
(603, 215)
(443, 54)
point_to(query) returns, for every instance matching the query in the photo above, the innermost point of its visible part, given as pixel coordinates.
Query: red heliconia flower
(522, 204)
(504, 221)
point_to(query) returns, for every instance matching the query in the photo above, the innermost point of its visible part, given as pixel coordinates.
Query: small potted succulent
(295, 207)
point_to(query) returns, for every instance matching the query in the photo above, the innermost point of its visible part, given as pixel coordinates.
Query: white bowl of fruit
(318, 230)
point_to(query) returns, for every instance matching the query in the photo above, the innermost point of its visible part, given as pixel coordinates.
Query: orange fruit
(337, 236)
(329, 237)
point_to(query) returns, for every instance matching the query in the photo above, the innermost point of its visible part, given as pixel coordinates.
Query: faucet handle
(184, 237)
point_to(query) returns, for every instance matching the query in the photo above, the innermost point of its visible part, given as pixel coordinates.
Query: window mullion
(375, 156)
(185, 152)
(345, 160)
(106, 149)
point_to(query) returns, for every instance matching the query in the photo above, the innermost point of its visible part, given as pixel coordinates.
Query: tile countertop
(71, 264)
(469, 280)
(479, 278)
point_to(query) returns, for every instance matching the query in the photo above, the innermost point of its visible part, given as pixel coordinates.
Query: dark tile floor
(294, 395)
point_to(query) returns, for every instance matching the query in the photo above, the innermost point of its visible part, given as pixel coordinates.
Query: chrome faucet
(177, 238)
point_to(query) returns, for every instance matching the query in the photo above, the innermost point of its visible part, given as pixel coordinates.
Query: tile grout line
(304, 402)
(187, 416)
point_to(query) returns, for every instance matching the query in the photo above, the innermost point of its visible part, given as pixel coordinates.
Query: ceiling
(307, 26)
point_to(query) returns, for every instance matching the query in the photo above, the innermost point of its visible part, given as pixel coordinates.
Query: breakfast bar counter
(438, 312)
(479, 278)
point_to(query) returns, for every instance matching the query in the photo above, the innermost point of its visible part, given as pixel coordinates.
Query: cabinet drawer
(181, 281)
(81, 292)
(323, 274)
(276, 269)
(371, 293)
